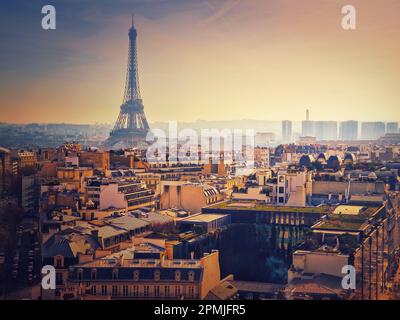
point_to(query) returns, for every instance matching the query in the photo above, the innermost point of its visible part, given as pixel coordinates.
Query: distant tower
(131, 126)
(392, 127)
(307, 126)
(286, 131)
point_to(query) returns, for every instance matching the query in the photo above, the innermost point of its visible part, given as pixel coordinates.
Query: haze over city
(210, 60)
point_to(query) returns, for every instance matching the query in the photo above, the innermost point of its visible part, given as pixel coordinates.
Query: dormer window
(94, 274)
(177, 275)
(157, 275)
(136, 275)
(115, 274)
(80, 274)
(58, 261)
(191, 275)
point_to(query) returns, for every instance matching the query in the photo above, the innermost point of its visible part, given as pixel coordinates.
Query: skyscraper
(348, 130)
(286, 131)
(325, 130)
(392, 127)
(372, 130)
(307, 126)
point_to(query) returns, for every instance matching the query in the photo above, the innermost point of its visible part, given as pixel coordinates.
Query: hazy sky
(201, 59)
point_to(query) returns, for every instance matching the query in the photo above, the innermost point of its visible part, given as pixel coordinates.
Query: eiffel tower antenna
(131, 125)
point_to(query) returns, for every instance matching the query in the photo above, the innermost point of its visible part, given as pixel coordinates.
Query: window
(136, 275)
(191, 291)
(191, 275)
(177, 275)
(177, 291)
(94, 274)
(80, 274)
(103, 290)
(281, 189)
(115, 274)
(166, 291)
(59, 261)
(135, 291)
(93, 290)
(146, 291)
(59, 278)
(125, 291)
(114, 291)
(157, 291)
(157, 275)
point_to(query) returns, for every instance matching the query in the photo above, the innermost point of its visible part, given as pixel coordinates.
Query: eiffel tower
(131, 127)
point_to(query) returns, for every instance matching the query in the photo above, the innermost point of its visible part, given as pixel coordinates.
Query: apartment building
(130, 194)
(137, 274)
(187, 195)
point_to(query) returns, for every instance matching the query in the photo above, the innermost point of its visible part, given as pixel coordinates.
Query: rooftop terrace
(345, 218)
(247, 206)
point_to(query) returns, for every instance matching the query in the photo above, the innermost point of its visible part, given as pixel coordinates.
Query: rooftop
(321, 284)
(260, 287)
(127, 222)
(204, 217)
(142, 263)
(340, 225)
(248, 206)
(347, 218)
(223, 291)
(156, 218)
(109, 231)
(353, 210)
(68, 243)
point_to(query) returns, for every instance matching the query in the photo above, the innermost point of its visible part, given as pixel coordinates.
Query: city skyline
(278, 56)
